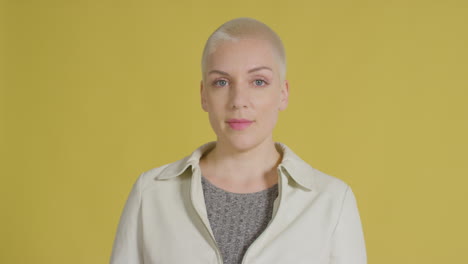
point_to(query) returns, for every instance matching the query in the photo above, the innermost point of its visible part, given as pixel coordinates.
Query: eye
(220, 83)
(260, 82)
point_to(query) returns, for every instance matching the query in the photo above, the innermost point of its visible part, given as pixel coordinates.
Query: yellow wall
(95, 92)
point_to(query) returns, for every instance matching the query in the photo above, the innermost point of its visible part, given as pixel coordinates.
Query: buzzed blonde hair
(241, 28)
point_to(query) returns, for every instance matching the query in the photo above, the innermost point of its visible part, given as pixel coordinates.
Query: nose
(238, 97)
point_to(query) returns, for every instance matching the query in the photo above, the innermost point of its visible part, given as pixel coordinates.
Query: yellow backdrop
(95, 92)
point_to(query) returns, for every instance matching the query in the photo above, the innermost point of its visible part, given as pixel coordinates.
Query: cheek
(269, 103)
(269, 109)
(215, 122)
(215, 102)
(215, 112)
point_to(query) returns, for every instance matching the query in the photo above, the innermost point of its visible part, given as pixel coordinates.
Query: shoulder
(329, 184)
(167, 171)
(171, 171)
(308, 176)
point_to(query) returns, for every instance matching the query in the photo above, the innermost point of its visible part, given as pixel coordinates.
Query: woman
(242, 198)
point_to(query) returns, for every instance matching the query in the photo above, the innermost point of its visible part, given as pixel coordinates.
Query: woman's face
(242, 92)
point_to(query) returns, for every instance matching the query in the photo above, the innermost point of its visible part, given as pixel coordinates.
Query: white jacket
(315, 218)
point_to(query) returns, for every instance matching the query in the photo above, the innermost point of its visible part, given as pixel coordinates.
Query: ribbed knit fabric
(237, 219)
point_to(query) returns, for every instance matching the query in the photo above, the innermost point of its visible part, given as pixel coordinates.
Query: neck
(228, 163)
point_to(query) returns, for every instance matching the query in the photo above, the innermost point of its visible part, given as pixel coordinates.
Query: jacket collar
(300, 171)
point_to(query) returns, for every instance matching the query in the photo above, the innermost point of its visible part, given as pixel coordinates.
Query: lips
(239, 124)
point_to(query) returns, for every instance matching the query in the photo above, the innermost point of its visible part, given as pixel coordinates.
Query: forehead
(243, 53)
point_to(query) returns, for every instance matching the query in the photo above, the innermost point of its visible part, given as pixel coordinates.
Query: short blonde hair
(240, 28)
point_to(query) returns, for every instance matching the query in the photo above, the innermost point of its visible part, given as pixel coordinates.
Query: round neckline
(239, 194)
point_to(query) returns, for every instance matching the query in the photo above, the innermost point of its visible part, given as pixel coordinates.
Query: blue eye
(260, 82)
(220, 82)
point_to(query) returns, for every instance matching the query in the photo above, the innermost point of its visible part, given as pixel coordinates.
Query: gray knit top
(237, 219)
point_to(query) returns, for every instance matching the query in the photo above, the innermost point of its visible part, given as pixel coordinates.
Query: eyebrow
(250, 71)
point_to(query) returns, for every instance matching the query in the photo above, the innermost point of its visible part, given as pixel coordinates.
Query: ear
(202, 96)
(284, 97)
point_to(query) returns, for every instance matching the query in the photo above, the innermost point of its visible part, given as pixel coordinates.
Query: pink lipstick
(239, 124)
